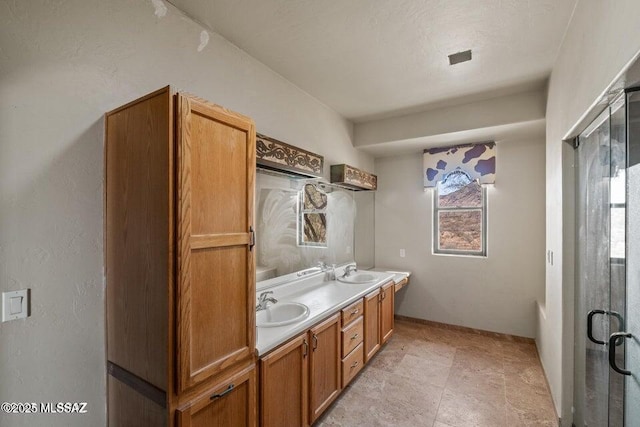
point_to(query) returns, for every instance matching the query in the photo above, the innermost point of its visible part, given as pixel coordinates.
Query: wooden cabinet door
(216, 271)
(386, 311)
(371, 324)
(324, 365)
(228, 404)
(284, 377)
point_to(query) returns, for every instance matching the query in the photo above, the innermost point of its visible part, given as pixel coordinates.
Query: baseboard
(498, 335)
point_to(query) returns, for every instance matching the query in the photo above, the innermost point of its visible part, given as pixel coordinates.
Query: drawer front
(352, 364)
(230, 403)
(352, 312)
(401, 284)
(352, 335)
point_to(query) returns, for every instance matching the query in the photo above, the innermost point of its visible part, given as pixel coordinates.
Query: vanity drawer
(352, 364)
(352, 335)
(352, 312)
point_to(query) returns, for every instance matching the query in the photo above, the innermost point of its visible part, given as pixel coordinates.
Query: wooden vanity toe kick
(352, 364)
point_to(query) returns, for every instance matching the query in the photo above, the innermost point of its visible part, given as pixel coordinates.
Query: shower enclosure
(607, 327)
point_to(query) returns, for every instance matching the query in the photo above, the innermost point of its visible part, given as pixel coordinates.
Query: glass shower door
(632, 382)
(591, 367)
(617, 255)
(601, 266)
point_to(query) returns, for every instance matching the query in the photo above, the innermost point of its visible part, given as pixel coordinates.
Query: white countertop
(398, 276)
(323, 299)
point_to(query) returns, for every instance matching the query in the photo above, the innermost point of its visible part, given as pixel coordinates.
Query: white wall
(602, 37)
(63, 64)
(503, 110)
(496, 293)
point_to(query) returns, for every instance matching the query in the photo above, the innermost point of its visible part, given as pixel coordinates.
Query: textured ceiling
(374, 58)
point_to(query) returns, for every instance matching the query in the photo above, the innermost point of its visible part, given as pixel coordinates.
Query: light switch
(15, 305)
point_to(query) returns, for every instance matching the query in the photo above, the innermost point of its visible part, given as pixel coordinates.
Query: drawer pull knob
(354, 365)
(354, 337)
(356, 311)
(219, 395)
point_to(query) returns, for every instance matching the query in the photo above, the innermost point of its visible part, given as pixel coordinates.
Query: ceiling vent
(459, 57)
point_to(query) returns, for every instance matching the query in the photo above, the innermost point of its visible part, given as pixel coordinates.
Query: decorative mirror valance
(280, 156)
(353, 178)
(478, 161)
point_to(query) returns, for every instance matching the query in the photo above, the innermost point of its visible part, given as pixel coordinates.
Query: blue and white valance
(478, 161)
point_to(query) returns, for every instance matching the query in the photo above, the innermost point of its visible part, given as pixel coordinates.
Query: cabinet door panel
(228, 404)
(218, 192)
(386, 312)
(284, 377)
(216, 270)
(216, 314)
(371, 324)
(324, 365)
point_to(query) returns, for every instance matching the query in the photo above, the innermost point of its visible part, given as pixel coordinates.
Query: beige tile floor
(432, 376)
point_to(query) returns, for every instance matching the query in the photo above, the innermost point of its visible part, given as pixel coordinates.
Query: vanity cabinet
(284, 376)
(301, 378)
(386, 311)
(371, 324)
(324, 365)
(180, 272)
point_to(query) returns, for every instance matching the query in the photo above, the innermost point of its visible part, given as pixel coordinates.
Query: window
(460, 216)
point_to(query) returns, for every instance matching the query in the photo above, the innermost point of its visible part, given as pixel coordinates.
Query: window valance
(478, 161)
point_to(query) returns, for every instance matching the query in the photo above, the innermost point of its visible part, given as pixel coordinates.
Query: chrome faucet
(321, 267)
(332, 272)
(349, 269)
(263, 299)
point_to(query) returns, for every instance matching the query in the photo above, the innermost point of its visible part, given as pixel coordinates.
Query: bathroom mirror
(300, 222)
(364, 229)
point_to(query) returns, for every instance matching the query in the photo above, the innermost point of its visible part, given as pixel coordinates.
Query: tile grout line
(435, 419)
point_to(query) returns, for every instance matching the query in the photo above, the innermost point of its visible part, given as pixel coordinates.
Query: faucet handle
(263, 295)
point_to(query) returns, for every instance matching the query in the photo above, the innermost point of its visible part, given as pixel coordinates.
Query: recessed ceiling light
(456, 58)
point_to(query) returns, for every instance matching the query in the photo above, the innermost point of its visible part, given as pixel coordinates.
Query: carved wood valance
(278, 155)
(351, 177)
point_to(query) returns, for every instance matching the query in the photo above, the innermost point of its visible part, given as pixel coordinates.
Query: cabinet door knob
(305, 346)
(315, 342)
(219, 395)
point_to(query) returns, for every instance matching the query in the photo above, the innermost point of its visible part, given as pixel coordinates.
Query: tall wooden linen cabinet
(180, 272)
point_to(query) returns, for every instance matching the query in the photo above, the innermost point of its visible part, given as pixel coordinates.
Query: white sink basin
(280, 314)
(358, 278)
